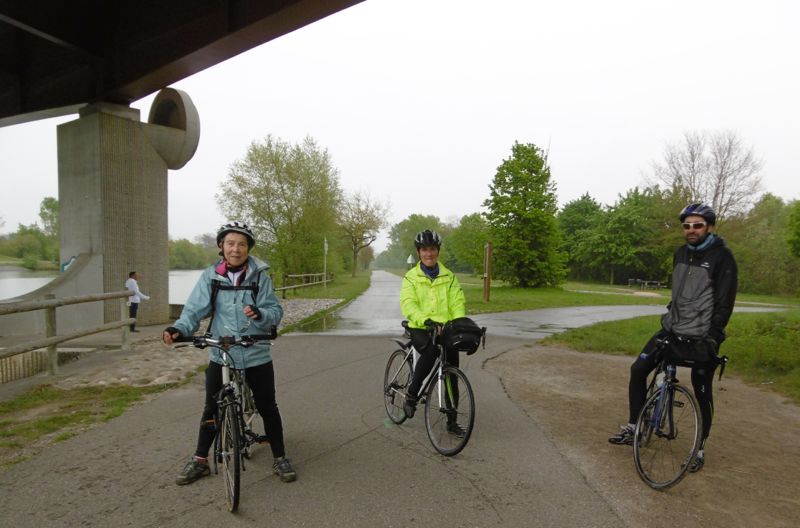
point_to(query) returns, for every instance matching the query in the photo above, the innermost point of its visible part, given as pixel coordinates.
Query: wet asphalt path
(355, 468)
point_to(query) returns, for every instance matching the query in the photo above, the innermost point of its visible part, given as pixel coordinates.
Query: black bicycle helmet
(427, 238)
(236, 227)
(699, 209)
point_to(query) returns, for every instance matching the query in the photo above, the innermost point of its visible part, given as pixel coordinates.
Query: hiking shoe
(193, 470)
(697, 464)
(283, 468)
(456, 430)
(410, 407)
(624, 436)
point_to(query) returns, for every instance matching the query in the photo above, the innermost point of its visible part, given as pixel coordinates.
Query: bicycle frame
(437, 371)
(234, 383)
(664, 402)
(233, 432)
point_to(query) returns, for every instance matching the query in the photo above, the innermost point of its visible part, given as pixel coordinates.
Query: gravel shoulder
(752, 472)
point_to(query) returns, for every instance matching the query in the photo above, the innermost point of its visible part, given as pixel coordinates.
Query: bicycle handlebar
(721, 361)
(203, 341)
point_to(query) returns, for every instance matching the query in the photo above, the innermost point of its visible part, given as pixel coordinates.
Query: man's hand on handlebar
(170, 335)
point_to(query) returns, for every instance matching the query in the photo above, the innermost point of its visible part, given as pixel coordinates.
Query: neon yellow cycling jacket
(440, 299)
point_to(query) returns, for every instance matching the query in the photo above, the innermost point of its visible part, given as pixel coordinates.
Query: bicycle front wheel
(449, 412)
(230, 452)
(667, 437)
(396, 380)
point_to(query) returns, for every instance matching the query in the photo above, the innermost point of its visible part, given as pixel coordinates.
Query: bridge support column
(112, 176)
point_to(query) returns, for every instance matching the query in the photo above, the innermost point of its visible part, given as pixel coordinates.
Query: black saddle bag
(464, 335)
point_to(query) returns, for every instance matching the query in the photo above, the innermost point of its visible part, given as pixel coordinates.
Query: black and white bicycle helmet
(699, 209)
(236, 227)
(427, 238)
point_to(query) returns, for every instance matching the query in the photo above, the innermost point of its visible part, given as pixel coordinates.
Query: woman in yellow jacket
(430, 293)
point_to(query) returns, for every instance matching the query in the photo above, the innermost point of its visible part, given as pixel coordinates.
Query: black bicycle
(446, 394)
(236, 412)
(669, 427)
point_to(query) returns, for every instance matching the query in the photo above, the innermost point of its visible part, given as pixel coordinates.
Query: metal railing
(49, 306)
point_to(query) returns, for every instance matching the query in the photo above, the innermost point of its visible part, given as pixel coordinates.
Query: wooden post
(487, 271)
(126, 329)
(50, 331)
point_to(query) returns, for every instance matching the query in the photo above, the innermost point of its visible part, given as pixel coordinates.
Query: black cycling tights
(421, 340)
(261, 380)
(702, 379)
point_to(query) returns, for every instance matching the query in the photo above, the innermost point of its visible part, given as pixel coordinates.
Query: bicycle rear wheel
(395, 382)
(667, 437)
(449, 412)
(230, 453)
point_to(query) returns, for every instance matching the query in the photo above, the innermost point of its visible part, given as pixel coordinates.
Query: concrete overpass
(94, 58)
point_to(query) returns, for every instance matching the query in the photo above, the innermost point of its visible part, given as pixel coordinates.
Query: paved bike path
(355, 468)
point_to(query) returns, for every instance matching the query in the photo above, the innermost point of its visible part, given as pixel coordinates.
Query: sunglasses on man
(694, 225)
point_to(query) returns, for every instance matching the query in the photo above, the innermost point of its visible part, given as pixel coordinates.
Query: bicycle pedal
(261, 439)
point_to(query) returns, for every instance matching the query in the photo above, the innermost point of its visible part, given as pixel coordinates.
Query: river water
(17, 281)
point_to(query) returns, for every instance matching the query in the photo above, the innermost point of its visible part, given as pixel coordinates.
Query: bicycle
(669, 427)
(446, 393)
(236, 412)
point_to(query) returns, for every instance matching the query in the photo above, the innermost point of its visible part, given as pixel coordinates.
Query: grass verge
(46, 414)
(762, 347)
(344, 287)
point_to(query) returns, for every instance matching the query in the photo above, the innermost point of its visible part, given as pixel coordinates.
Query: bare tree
(713, 167)
(361, 218)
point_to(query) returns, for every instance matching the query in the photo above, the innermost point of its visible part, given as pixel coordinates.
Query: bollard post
(487, 271)
(126, 329)
(50, 331)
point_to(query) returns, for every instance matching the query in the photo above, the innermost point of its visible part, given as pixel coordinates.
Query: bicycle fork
(662, 421)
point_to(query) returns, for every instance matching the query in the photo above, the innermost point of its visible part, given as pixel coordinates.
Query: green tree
(48, 213)
(577, 220)
(361, 218)
(401, 240)
(183, 254)
(758, 241)
(522, 219)
(467, 240)
(793, 236)
(289, 194)
(638, 236)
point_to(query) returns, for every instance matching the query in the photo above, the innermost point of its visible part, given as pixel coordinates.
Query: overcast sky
(419, 101)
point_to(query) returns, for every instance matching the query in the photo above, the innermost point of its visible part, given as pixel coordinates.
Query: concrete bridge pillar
(112, 186)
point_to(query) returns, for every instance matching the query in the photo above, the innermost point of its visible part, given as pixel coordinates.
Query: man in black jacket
(704, 282)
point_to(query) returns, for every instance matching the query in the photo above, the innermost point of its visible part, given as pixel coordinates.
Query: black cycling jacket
(703, 292)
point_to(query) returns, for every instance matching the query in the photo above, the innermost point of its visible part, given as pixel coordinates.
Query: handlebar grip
(273, 334)
(184, 339)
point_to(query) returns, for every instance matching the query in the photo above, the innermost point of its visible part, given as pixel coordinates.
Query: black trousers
(261, 380)
(422, 342)
(133, 308)
(702, 380)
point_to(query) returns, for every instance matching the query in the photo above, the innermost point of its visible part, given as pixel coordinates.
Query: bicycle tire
(456, 406)
(230, 453)
(396, 380)
(664, 450)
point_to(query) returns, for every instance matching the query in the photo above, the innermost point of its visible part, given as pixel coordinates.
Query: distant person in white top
(132, 284)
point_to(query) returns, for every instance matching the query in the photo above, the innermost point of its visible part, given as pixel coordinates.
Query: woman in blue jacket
(238, 293)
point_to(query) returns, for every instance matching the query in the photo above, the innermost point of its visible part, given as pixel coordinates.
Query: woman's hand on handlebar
(170, 335)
